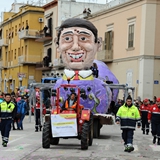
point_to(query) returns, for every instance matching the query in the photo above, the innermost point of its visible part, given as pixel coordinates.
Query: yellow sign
(68, 116)
(63, 124)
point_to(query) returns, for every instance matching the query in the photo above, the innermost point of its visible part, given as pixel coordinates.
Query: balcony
(42, 67)
(4, 42)
(26, 34)
(58, 63)
(28, 59)
(3, 64)
(41, 37)
(105, 55)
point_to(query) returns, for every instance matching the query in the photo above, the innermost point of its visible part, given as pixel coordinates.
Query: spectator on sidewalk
(21, 110)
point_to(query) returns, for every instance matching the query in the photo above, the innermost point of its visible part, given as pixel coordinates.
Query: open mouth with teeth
(76, 57)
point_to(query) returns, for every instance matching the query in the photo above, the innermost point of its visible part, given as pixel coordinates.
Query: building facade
(131, 49)
(19, 51)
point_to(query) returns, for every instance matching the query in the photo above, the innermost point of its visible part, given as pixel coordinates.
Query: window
(131, 32)
(16, 30)
(7, 33)
(12, 32)
(15, 54)
(25, 50)
(22, 51)
(0, 54)
(11, 58)
(49, 54)
(108, 44)
(131, 36)
(19, 52)
(50, 27)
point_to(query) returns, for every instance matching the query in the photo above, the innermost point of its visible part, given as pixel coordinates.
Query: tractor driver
(71, 102)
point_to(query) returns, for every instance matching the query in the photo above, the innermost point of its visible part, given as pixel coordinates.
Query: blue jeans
(127, 135)
(20, 123)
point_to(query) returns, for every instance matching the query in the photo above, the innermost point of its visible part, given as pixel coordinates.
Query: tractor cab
(68, 118)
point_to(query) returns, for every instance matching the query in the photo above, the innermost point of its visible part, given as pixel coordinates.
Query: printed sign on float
(64, 125)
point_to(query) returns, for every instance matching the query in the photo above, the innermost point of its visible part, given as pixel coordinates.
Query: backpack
(21, 107)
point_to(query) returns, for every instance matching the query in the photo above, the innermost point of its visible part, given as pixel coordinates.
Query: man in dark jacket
(6, 109)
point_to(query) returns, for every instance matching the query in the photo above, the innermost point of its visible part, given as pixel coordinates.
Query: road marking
(155, 147)
(135, 147)
(16, 139)
(18, 147)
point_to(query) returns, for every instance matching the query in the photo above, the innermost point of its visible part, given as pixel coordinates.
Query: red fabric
(158, 99)
(76, 75)
(153, 109)
(37, 105)
(144, 108)
(145, 100)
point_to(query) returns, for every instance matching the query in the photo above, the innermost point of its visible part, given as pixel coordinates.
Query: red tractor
(70, 123)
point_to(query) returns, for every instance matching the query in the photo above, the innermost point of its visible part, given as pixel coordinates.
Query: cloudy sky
(5, 5)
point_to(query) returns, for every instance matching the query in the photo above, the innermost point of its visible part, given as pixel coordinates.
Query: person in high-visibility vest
(6, 118)
(127, 116)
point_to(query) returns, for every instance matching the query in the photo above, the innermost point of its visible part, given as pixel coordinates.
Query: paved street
(26, 145)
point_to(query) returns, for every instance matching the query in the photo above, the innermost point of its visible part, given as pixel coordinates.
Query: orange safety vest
(73, 106)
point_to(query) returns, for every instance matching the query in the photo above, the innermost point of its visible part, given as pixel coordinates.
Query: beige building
(131, 49)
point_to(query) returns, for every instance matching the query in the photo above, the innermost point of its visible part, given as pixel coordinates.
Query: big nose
(75, 46)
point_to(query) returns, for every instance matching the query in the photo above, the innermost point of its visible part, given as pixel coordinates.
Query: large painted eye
(83, 38)
(68, 39)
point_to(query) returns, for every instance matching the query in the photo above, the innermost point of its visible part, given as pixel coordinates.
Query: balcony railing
(105, 55)
(58, 63)
(28, 59)
(3, 64)
(26, 34)
(41, 66)
(42, 37)
(4, 42)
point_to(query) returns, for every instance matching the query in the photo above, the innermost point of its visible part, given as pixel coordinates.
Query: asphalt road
(27, 145)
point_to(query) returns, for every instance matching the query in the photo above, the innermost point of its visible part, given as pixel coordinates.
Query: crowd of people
(13, 108)
(143, 113)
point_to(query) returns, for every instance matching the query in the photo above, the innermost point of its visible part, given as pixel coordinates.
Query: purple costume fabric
(106, 74)
(96, 94)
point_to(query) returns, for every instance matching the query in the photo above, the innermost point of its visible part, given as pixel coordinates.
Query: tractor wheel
(96, 128)
(54, 141)
(85, 136)
(46, 135)
(91, 130)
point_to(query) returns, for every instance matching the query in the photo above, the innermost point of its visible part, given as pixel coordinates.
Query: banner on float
(64, 125)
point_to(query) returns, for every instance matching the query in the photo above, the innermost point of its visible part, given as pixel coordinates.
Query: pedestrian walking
(38, 124)
(154, 119)
(127, 116)
(21, 110)
(144, 109)
(13, 99)
(6, 109)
